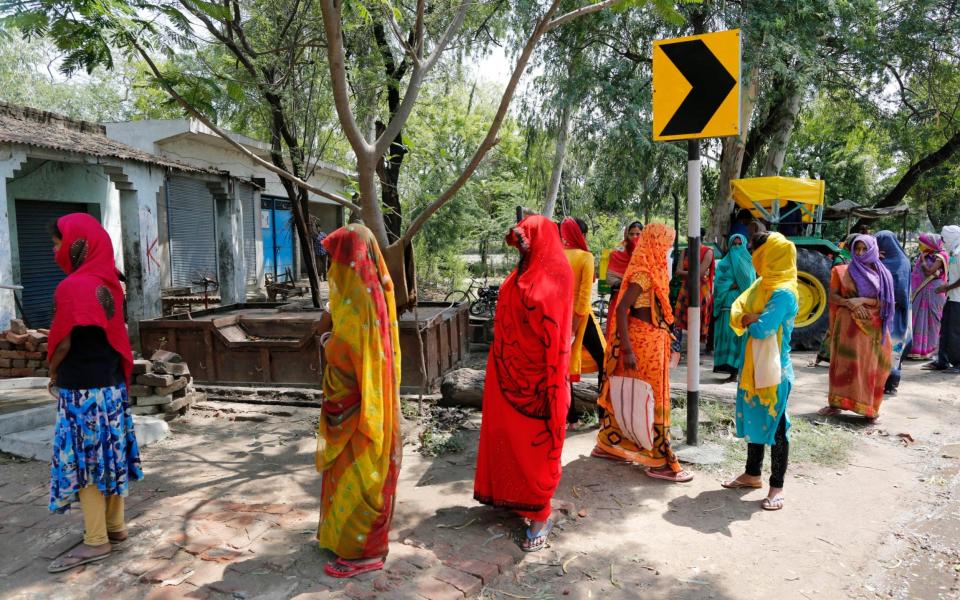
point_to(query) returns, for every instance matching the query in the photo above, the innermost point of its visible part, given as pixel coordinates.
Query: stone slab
(23, 383)
(155, 380)
(154, 400)
(31, 418)
(145, 410)
(176, 386)
(705, 454)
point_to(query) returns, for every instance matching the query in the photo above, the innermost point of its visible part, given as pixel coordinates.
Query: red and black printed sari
(527, 394)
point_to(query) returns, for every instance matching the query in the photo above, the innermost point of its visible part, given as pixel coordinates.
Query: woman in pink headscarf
(929, 273)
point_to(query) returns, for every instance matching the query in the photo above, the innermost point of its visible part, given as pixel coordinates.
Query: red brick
(5, 372)
(17, 339)
(466, 583)
(11, 354)
(317, 592)
(423, 559)
(139, 567)
(4, 344)
(30, 346)
(33, 364)
(434, 589)
(221, 554)
(24, 372)
(504, 560)
(487, 572)
(5, 363)
(401, 569)
(19, 363)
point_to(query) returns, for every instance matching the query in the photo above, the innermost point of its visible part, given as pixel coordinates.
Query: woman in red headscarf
(95, 453)
(586, 355)
(527, 392)
(617, 265)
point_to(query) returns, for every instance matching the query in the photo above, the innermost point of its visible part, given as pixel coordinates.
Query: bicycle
(482, 298)
(601, 307)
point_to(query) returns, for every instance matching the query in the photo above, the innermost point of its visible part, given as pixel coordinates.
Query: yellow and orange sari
(359, 447)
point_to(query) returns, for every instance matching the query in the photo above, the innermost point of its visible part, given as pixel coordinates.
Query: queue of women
(545, 336)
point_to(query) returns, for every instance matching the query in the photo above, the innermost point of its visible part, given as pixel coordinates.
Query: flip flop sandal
(681, 477)
(343, 569)
(59, 567)
(538, 542)
(737, 484)
(772, 504)
(599, 453)
(829, 411)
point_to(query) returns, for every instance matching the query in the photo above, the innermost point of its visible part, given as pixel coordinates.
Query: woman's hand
(51, 386)
(630, 360)
(941, 289)
(749, 319)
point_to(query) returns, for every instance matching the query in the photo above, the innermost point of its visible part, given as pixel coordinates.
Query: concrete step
(37, 443)
(27, 419)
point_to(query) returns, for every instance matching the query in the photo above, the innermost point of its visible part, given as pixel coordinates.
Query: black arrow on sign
(711, 84)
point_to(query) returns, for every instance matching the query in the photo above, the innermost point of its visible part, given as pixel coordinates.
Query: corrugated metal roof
(43, 129)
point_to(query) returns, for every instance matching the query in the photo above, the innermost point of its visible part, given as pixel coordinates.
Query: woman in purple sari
(929, 273)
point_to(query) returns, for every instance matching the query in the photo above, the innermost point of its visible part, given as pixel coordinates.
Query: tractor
(795, 207)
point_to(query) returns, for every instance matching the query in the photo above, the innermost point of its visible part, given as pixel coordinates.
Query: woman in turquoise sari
(735, 273)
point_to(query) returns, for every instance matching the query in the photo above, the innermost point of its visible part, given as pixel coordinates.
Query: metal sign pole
(693, 291)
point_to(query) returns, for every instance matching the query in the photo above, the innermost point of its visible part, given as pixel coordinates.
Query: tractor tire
(813, 280)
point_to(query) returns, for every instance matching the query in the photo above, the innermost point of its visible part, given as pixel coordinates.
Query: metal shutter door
(39, 273)
(251, 216)
(193, 232)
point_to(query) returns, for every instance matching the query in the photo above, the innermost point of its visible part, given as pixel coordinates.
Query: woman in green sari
(735, 273)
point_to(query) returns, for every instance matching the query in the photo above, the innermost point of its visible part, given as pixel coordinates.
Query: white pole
(693, 290)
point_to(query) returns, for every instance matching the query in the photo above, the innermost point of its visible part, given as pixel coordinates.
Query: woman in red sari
(526, 395)
(617, 265)
(706, 291)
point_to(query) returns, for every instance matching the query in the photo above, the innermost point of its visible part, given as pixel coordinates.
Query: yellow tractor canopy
(766, 197)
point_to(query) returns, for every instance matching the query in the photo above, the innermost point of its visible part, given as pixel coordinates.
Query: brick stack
(23, 352)
(161, 385)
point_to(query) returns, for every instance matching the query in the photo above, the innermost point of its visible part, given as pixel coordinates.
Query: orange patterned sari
(651, 345)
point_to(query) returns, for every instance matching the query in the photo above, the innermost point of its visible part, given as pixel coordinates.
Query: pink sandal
(343, 569)
(674, 477)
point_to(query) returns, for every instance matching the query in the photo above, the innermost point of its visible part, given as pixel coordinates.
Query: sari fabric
(860, 352)
(926, 303)
(896, 261)
(359, 446)
(735, 273)
(872, 278)
(526, 394)
(773, 296)
(581, 263)
(91, 295)
(706, 296)
(617, 263)
(651, 346)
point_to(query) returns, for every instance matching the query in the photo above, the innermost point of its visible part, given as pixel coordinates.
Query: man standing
(319, 251)
(948, 356)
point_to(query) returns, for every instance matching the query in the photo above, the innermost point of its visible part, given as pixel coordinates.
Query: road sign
(696, 86)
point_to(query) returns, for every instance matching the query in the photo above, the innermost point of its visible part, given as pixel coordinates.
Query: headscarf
(572, 236)
(951, 239)
(872, 278)
(930, 246)
(363, 352)
(620, 258)
(535, 313)
(650, 259)
(897, 262)
(91, 295)
(776, 264)
(736, 268)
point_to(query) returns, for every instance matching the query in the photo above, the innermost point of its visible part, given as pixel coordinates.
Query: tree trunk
(372, 215)
(782, 130)
(388, 171)
(731, 158)
(550, 204)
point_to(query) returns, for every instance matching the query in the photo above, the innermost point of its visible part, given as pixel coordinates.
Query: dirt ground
(228, 509)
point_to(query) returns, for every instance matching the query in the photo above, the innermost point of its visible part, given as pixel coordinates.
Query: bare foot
(828, 411)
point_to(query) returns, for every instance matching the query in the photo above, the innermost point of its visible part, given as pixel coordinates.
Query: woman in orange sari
(706, 291)
(359, 447)
(639, 346)
(617, 265)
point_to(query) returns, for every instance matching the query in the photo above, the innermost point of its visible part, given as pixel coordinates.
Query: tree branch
(338, 78)
(917, 169)
(226, 137)
(491, 138)
(576, 14)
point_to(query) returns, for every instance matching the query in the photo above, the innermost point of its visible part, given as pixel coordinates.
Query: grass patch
(811, 441)
(441, 430)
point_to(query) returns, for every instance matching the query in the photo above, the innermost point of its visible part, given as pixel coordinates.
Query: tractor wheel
(813, 279)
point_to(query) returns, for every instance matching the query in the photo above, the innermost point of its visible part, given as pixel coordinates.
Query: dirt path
(231, 499)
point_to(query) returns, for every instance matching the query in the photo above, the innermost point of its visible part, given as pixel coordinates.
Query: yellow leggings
(100, 515)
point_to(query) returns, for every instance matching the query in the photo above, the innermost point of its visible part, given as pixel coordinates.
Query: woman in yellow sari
(359, 447)
(638, 346)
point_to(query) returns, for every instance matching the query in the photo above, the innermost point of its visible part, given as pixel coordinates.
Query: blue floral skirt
(94, 444)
